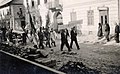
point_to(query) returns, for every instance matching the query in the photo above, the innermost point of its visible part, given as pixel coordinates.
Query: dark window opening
(106, 19)
(101, 19)
(38, 2)
(32, 3)
(45, 1)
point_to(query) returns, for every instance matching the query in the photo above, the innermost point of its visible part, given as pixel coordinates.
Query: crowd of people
(43, 37)
(46, 37)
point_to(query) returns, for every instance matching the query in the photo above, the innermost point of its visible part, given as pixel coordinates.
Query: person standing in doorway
(100, 33)
(64, 40)
(107, 31)
(74, 38)
(117, 33)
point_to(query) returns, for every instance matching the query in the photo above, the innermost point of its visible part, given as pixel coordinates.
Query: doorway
(58, 20)
(103, 18)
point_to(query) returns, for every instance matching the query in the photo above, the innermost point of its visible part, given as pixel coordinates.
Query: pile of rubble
(33, 54)
(50, 59)
(77, 68)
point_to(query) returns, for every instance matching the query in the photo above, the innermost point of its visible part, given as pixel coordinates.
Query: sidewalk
(91, 39)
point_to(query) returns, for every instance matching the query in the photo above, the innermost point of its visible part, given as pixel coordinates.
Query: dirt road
(103, 58)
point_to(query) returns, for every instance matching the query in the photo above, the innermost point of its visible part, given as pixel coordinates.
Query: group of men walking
(47, 36)
(64, 38)
(44, 37)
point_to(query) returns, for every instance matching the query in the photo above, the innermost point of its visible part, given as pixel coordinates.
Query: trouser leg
(76, 42)
(67, 45)
(71, 43)
(62, 45)
(49, 43)
(41, 44)
(117, 37)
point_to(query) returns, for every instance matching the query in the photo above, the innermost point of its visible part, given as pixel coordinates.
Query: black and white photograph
(59, 37)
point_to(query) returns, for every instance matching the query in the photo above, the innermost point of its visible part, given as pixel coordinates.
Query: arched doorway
(57, 19)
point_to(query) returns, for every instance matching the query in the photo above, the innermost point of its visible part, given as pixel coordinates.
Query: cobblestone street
(100, 57)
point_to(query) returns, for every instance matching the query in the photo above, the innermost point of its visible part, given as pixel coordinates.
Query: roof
(4, 2)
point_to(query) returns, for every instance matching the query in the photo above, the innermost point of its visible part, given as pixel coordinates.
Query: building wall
(81, 11)
(42, 10)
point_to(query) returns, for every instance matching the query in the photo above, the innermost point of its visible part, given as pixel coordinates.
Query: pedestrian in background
(10, 35)
(74, 38)
(47, 35)
(100, 33)
(64, 40)
(24, 37)
(41, 36)
(117, 33)
(107, 31)
(53, 36)
(3, 29)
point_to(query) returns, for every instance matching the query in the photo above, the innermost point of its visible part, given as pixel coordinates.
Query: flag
(47, 20)
(31, 23)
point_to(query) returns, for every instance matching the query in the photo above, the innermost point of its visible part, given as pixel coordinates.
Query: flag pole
(31, 23)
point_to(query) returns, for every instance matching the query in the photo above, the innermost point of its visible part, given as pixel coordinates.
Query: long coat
(107, 30)
(117, 33)
(73, 35)
(53, 35)
(99, 31)
(64, 37)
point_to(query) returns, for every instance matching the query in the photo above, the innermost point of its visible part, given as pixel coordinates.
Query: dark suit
(64, 40)
(47, 35)
(24, 36)
(40, 35)
(117, 34)
(74, 38)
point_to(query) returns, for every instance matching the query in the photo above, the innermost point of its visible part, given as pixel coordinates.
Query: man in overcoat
(64, 40)
(74, 38)
(117, 33)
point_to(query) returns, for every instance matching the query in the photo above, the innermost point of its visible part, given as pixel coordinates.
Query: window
(106, 19)
(33, 3)
(38, 2)
(101, 19)
(73, 16)
(45, 1)
(90, 16)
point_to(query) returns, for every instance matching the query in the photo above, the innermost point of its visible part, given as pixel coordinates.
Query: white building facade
(88, 13)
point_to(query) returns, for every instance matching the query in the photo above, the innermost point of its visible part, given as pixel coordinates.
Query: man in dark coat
(10, 35)
(100, 34)
(3, 29)
(107, 31)
(74, 38)
(41, 36)
(24, 36)
(47, 35)
(64, 40)
(117, 33)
